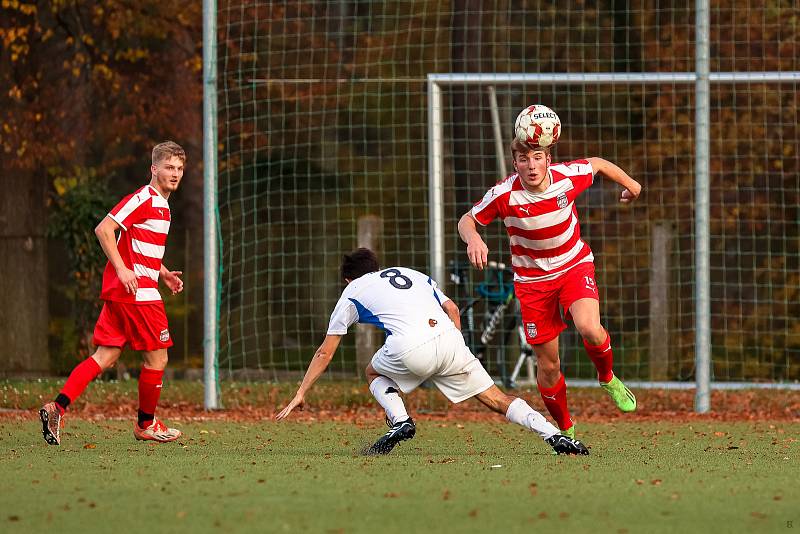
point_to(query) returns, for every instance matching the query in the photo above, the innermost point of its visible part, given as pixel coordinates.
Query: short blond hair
(518, 147)
(167, 150)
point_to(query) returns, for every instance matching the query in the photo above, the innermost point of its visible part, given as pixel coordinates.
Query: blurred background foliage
(88, 88)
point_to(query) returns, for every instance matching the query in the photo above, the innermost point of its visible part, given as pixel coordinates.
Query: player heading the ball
(554, 273)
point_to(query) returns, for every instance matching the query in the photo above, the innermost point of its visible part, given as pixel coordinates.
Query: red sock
(602, 357)
(555, 398)
(149, 392)
(79, 378)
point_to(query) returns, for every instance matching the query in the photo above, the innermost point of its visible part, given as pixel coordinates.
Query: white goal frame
(436, 223)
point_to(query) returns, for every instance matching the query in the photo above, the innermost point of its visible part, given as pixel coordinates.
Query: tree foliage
(87, 89)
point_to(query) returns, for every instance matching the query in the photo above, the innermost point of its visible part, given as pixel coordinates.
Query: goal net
(323, 130)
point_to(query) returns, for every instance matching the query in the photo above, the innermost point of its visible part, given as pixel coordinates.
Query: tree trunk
(24, 283)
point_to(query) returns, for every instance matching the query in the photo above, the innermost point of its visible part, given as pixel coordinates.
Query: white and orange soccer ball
(537, 125)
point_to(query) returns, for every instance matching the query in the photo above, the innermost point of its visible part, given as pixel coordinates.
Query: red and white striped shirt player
(543, 227)
(553, 267)
(144, 219)
(133, 313)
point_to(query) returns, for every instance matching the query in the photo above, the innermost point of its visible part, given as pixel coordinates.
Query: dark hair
(358, 263)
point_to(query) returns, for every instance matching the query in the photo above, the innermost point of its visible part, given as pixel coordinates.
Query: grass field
(249, 474)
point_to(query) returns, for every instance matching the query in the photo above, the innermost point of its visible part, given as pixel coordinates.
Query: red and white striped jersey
(144, 217)
(542, 227)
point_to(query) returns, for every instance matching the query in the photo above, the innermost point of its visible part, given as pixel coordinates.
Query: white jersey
(405, 303)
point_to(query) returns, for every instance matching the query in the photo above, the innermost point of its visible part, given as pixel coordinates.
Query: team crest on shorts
(164, 337)
(562, 200)
(530, 328)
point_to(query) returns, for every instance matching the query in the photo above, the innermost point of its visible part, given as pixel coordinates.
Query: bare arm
(318, 364)
(477, 251)
(172, 279)
(105, 234)
(632, 188)
(451, 309)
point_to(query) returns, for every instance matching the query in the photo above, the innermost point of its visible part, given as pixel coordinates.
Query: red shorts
(541, 314)
(142, 326)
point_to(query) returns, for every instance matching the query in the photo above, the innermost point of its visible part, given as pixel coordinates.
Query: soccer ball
(537, 125)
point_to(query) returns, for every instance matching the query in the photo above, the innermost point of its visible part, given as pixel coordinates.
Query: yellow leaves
(22, 149)
(103, 71)
(15, 39)
(11, 35)
(25, 9)
(15, 93)
(132, 54)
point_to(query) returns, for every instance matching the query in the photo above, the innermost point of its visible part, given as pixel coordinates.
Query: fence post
(367, 337)
(660, 248)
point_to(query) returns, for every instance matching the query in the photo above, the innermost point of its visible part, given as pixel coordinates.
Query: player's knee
(105, 357)
(549, 365)
(370, 373)
(591, 331)
(157, 360)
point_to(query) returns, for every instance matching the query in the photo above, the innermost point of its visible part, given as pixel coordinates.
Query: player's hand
(298, 400)
(631, 194)
(173, 281)
(477, 252)
(128, 280)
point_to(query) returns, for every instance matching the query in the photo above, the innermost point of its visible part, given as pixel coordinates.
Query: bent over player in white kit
(423, 342)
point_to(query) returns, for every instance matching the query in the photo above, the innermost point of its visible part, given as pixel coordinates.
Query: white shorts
(445, 360)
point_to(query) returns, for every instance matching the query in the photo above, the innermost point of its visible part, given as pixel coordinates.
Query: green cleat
(621, 395)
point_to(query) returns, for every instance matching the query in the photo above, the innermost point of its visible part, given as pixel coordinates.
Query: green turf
(453, 477)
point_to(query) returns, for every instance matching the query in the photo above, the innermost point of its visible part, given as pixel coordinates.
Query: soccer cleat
(157, 431)
(565, 445)
(621, 395)
(399, 432)
(51, 423)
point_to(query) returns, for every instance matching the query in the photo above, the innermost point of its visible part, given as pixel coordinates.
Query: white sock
(387, 393)
(521, 413)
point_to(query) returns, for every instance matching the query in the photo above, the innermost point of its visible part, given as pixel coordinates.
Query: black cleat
(397, 433)
(51, 423)
(565, 445)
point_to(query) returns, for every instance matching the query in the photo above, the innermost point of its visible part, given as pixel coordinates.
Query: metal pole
(436, 183)
(210, 264)
(702, 401)
(498, 133)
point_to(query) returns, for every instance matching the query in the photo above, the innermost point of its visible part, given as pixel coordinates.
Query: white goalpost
(436, 164)
(327, 121)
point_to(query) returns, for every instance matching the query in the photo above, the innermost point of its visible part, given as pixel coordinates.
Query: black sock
(63, 401)
(145, 418)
